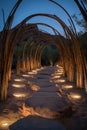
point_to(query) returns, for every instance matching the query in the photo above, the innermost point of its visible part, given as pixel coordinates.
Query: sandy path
(45, 92)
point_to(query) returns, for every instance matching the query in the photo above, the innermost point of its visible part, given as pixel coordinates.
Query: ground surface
(43, 95)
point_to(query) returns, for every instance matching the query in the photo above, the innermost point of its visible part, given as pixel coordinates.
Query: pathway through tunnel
(43, 70)
(40, 96)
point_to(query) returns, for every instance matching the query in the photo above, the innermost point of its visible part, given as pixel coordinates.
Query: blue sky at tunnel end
(28, 7)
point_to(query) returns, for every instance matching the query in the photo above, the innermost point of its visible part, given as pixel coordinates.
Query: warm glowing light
(57, 85)
(39, 69)
(31, 73)
(18, 80)
(35, 88)
(19, 95)
(75, 96)
(18, 85)
(35, 71)
(67, 86)
(25, 75)
(61, 80)
(60, 66)
(5, 124)
(56, 76)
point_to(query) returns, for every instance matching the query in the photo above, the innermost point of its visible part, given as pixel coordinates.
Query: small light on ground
(57, 85)
(18, 85)
(35, 88)
(60, 67)
(75, 96)
(25, 75)
(61, 80)
(67, 86)
(56, 76)
(19, 95)
(4, 124)
(35, 71)
(18, 80)
(31, 73)
(39, 69)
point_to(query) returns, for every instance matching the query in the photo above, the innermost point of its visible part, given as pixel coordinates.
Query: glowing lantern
(25, 75)
(61, 80)
(75, 96)
(30, 72)
(35, 88)
(60, 67)
(39, 69)
(18, 85)
(35, 71)
(19, 80)
(56, 76)
(67, 86)
(19, 95)
(4, 124)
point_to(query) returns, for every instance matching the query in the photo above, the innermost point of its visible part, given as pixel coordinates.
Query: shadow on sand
(36, 123)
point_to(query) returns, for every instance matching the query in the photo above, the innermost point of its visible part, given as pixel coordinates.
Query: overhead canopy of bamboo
(34, 42)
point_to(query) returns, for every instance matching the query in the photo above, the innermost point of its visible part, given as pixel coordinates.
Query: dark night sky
(28, 7)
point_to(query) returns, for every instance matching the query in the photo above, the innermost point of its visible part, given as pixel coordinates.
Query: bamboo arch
(12, 36)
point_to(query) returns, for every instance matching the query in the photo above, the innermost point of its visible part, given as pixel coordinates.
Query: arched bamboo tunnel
(72, 58)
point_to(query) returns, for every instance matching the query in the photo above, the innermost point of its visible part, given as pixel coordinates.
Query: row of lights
(4, 124)
(73, 96)
(22, 95)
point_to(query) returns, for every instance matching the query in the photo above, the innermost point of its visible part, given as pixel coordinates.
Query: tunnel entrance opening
(50, 56)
